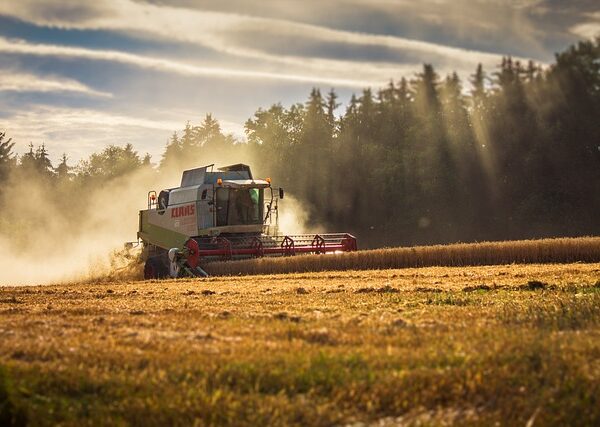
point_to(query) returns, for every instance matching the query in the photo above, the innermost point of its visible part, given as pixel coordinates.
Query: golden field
(504, 345)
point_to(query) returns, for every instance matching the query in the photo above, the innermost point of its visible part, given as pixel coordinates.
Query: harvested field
(504, 345)
(563, 250)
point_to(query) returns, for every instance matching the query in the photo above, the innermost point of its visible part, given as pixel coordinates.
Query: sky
(79, 75)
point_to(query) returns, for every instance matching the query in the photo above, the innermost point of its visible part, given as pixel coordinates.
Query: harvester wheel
(155, 269)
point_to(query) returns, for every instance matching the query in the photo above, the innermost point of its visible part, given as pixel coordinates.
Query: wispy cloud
(237, 35)
(20, 81)
(588, 29)
(372, 75)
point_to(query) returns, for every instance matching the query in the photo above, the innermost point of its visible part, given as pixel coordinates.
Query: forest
(512, 153)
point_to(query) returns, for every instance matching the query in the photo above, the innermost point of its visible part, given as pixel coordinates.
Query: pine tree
(315, 137)
(172, 153)
(332, 105)
(209, 130)
(404, 108)
(425, 88)
(147, 160)
(27, 160)
(63, 170)
(7, 158)
(42, 161)
(188, 144)
(478, 92)
(367, 112)
(533, 72)
(403, 94)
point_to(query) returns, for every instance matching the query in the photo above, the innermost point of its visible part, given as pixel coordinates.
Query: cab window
(239, 206)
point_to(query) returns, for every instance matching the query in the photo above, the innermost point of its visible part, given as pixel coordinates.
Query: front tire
(155, 269)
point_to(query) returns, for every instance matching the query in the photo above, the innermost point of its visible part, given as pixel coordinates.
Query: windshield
(239, 206)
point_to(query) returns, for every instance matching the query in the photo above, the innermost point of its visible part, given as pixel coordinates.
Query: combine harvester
(220, 215)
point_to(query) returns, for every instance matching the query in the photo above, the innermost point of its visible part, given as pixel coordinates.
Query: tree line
(515, 153)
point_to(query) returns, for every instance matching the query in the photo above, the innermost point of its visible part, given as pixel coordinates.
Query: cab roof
(203, 175)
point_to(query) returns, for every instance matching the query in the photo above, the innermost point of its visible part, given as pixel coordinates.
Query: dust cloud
(76, 233)
(70, 234)
(294, 218)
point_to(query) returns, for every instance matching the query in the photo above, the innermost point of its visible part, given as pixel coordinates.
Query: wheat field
(561, 250)
(487, 345)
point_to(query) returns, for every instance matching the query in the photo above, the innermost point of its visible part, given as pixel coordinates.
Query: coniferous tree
(312, 151)
(63, 170)
(332, 105)
(189, 145)
(7, 158)
(27, 160)
(208, 131)
(147, 160)
(42, 161)
(172, 153)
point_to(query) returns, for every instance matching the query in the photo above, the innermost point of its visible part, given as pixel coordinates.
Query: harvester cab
(220, 214)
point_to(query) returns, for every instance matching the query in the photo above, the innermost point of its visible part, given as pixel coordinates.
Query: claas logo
(183, 211)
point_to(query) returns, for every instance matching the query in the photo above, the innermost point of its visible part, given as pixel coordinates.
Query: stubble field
(510, 344)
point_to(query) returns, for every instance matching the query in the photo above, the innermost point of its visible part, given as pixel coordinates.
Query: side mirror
(281, 193)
